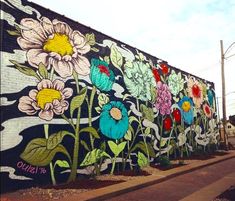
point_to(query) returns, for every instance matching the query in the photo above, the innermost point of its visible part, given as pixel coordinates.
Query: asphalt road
(184, 185)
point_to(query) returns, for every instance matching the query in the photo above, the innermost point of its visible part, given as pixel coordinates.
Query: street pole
(223, 95)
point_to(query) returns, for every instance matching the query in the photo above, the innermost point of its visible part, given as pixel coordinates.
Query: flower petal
(47, 25)
(61, 27)
(64, 69)
(33, 32)
(67, 92)
(33, 94)
(80, 42)
(26, 45)
(45, 84)
(25, 105)
(36, 56)
(81, 65)
(46, 114)
(58, 85)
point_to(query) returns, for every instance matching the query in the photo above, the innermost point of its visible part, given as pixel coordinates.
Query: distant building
(230, 129)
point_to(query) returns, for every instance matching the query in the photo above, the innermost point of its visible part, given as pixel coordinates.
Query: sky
(185, 33)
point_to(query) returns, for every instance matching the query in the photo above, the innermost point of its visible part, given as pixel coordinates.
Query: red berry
(164, 68)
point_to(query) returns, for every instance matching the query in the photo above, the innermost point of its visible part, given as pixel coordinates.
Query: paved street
(219, 176)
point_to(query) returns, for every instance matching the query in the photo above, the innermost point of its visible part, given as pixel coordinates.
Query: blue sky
(184, 33)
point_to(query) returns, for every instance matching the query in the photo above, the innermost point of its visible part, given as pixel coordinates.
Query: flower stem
(144, 137)
(46, 131)
(73, 173)
(113, 164)
(90, 105)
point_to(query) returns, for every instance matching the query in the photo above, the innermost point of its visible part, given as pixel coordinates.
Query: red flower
(196, 91)
(177, 115)
(104, 69)
(167, 123)
(156, 74)
(164, 68)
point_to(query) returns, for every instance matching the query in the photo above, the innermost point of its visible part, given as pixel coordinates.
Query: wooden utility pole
(223, 94)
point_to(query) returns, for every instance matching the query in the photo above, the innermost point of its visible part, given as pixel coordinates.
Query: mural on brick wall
(77, 102)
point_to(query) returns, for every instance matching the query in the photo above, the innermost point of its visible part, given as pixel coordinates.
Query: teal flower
(210, 96)
(139, 80)
(101, 76)
(175, 83)
(186, 107)
(114, 120)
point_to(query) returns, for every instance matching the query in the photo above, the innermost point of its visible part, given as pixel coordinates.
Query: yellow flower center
(60, 44)
(116, 113)
(186, 106)
(47, 96)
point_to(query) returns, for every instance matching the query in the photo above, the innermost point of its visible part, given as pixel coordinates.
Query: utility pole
(223, 95)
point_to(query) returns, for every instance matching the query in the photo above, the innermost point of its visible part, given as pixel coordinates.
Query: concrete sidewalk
(107, 193)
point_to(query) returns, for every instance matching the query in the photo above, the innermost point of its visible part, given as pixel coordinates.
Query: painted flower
(176, 115)
(164, 68)
(195, 91)
(48, 98)
(175, 83)
(210, 96)
(114, 120)
(156, 74)
(139, 80)
(163, 100)
(207, 110)
(55, 44)
(101, 76)
(167, 123)
(186, 107)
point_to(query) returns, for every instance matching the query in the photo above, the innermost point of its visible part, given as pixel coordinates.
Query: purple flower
(163, 101)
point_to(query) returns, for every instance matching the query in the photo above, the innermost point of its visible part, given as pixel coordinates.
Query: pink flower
(163, 101)
(54, 43)
(49, 98)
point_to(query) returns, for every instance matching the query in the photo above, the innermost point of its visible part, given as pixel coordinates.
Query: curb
(135, 184)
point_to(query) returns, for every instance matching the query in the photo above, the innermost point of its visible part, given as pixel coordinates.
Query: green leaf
(140, 145)
(116, 57)
(133, 118)
(151, 150)
(147, 131)
(153, 94)
(85, 145)
(90, 38)
(181, 95)
(116, 148)
(93, 156)
(107, 60)
(163, 143)
(25, 70)
(77, 101)
(94, 49)
(128, 135)
(90, 130)
(13, 33)
(55, 139)
(142, 160)
(102, 99)
(98, 109)
(37, 154)
(147, 112)
(103, 146)
(42, 70)
(62, 163)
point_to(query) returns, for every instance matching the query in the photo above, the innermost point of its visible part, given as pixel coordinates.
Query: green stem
(90, 105)
(73, 173)
(161, 129)
(113, 164)
(144, 137)
(129, 149)
(46, 131)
